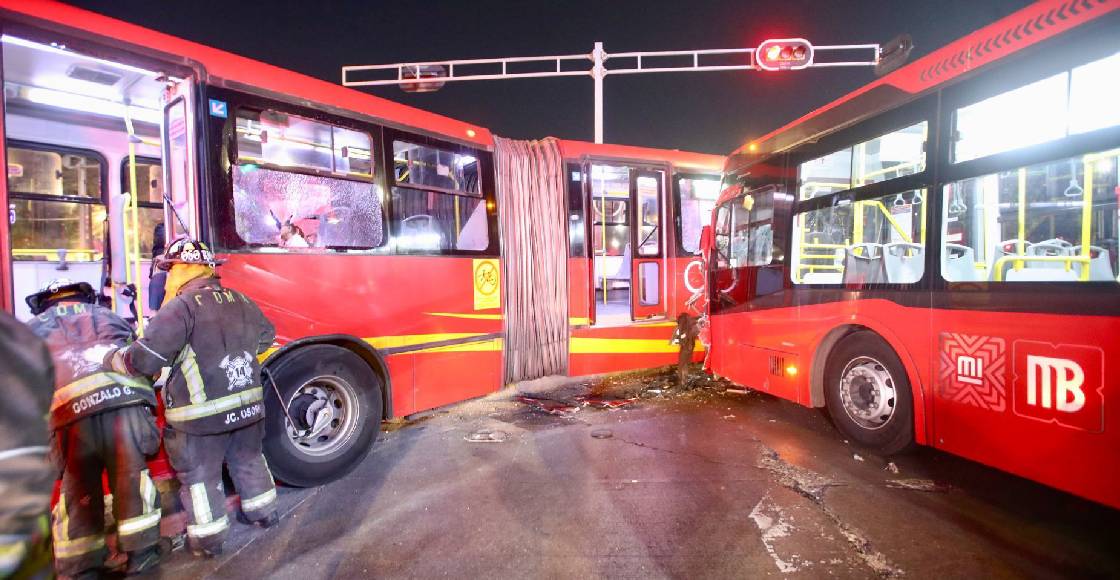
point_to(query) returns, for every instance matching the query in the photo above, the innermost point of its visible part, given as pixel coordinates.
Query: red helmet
(58, 289)
(186, 251)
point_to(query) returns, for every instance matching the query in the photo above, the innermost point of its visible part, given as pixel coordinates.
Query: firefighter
(100, 421)
(210, 336)
(26, 474)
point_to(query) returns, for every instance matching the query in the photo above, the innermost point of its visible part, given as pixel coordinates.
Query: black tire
(870, 418)
(325, 370)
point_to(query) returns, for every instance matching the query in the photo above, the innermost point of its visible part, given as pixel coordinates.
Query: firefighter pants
(115, 442)
(198, 460)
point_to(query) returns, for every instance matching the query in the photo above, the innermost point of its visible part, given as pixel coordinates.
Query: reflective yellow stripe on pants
(151, 514)
(91, 383)
(205, 524)
(215, 406)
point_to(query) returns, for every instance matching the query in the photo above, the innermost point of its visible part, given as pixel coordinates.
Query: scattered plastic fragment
(602, 434)
(857, 457)
(549, 406)
(737, 391)
(729, 416)
(604, 402)
(487, 436)
(891, 467)
(927, 485)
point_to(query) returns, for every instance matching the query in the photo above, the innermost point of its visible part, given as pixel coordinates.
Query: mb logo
(1059, 384)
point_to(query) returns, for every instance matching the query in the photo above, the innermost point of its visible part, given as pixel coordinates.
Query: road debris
(857, 457)
(927, 485)
(486, 436)
(600, 402)
(891, 467)
(549, 406)
(737, 391)
(602, 434)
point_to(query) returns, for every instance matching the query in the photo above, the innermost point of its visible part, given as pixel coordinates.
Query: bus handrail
(1069, 260)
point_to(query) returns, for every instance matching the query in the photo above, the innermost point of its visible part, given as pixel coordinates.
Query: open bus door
(647, 297)
(180, 167)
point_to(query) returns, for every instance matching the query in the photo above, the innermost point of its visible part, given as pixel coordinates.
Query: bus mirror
(893, 54)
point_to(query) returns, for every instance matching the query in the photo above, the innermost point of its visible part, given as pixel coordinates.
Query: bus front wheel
(334, 404)
(868, 394)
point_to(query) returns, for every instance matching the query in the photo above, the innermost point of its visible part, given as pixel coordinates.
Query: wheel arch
(367, 353)
(828, 343)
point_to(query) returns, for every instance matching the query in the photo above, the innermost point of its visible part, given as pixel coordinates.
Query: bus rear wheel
(868, 394)
(334, 401)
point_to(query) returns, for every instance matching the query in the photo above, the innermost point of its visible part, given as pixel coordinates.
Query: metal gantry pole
(598, 72)
(414, 74)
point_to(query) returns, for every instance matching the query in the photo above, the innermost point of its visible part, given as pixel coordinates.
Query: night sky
(712, 112)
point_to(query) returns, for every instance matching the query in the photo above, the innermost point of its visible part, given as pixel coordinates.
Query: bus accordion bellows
(386, 243)
(934, 257)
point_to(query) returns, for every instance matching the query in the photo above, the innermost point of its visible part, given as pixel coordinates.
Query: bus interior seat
(1037, 274)
(621, 274)
(474, 235)
(1049, 248)
(959, 264)
(1004, 248)
(1100, 264)
(863, 264)
(823, 278)
(904, 262)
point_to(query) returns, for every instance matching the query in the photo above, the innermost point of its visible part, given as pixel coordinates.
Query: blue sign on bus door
(218, 108)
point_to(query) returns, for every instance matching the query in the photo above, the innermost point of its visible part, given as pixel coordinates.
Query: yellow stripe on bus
(583, 345)
(470, 316)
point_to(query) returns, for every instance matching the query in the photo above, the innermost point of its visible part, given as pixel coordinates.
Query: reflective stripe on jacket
(79, 335)
(210, 336)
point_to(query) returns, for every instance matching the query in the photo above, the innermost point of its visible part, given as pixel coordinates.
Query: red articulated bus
(933, 258)
(388, 245)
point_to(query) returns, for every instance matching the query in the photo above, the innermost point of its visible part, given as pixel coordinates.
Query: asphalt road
(683, 485)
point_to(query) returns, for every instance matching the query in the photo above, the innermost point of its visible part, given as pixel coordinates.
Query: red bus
(933, 258)
(388, 244)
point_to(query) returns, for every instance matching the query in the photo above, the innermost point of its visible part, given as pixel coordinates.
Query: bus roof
(702, 162)
(222, 65)
(1006, 36)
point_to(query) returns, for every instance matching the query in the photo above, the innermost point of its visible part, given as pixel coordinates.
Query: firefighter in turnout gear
(100, 421)
(26, 473)
(210, 336)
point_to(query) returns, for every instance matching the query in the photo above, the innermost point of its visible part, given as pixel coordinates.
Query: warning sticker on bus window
(487, 285)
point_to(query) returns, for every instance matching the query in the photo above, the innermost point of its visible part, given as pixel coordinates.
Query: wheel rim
(867, 392)
(326, 418)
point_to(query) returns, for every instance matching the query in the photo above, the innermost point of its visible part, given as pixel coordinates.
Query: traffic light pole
(771, 55)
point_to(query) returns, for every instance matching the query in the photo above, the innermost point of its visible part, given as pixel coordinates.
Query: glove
(115, 360)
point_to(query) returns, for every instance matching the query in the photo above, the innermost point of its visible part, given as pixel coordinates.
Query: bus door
(180, 168)
(647, 267)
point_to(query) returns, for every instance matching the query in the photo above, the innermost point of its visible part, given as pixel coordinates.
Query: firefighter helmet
(184, 250)
(58, 289)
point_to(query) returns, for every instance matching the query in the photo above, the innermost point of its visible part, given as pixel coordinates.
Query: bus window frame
(1093, 42)
(219, 211)
(487, 190)
(103, 200)
(916, 111)
(679, 250)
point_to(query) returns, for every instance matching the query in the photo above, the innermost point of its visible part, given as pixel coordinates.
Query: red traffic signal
(784, 54)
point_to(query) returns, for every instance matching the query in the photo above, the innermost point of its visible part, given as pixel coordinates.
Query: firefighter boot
(143, 561)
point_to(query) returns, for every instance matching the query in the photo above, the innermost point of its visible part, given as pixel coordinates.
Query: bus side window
(1048, 222)
(697, 198)
(437, 202)
(56, 204)
(304, 185)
